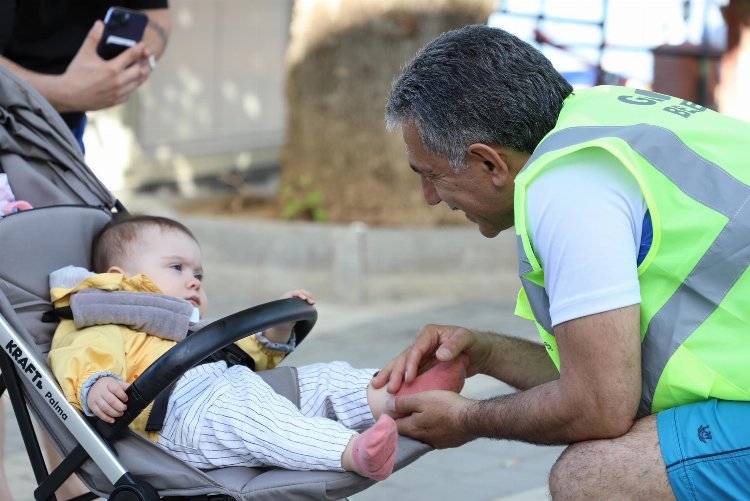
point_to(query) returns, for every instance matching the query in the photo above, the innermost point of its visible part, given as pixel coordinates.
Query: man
(52, 45)
(633, 227)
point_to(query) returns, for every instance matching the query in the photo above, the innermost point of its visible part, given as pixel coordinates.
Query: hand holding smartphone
(123, 28)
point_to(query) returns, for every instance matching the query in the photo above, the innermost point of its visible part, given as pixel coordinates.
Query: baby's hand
(107, 398)
(300, 293)
(282, 333)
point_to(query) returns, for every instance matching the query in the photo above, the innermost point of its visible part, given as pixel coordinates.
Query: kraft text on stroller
(16, 353)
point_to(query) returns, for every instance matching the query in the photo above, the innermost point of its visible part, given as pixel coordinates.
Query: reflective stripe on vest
(537, 295)
(716, 272)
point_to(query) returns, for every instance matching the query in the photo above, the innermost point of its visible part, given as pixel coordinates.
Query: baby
(218, 415)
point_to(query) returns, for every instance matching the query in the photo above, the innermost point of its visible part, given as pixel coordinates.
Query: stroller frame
(16, 349)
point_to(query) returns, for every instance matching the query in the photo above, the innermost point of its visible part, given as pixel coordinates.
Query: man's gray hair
(477, 84)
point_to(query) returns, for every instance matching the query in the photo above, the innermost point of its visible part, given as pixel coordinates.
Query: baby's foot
(443, 376)
(374, 451)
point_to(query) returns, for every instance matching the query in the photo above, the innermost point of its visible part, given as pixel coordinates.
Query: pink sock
(443, 376)
(375, 449)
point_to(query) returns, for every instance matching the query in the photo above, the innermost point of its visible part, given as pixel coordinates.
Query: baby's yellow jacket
(76, 355)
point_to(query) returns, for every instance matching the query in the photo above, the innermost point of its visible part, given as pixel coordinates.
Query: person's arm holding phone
(91, 83)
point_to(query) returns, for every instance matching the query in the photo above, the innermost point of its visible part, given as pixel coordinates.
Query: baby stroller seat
(45, 168)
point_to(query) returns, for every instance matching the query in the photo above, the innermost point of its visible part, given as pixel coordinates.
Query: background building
(215, 104)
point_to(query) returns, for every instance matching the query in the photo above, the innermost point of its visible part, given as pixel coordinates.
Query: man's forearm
(46, 85)
(541, 415)
(520, 363)
(596, 397)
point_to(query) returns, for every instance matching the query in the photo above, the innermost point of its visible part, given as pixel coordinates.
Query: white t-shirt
(585, 217)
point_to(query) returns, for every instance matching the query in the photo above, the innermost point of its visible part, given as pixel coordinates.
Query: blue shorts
(706, 447)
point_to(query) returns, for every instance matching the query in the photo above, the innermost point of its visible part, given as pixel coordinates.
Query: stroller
(44, 166)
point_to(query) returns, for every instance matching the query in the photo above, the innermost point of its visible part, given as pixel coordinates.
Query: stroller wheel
(138, 492)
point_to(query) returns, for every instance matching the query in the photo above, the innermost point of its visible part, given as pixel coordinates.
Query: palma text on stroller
(56, 406)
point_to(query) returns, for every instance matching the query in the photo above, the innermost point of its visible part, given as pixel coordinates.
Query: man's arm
(520, 363)
(595, 397)
(89, 82)
(47, 85)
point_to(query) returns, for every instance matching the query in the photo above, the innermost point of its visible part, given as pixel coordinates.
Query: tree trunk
(339, 163)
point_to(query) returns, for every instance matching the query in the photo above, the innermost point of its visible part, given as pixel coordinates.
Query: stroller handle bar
(168, 368)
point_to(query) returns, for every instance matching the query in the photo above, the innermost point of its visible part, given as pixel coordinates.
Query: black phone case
(123, 28)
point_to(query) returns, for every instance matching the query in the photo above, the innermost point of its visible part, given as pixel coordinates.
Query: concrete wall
(353, 264)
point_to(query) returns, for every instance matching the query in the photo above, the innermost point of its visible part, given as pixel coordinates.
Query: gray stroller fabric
(39, 153)
(71, 206)
(159, 315)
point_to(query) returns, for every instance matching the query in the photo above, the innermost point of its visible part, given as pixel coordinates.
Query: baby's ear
(115, 269)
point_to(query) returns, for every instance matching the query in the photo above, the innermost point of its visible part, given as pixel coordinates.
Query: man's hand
(282, 332)
(433, 344)
(434, 417)
(107, 398)
(92, 83)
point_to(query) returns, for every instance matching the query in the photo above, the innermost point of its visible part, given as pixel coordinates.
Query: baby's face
(173, 261)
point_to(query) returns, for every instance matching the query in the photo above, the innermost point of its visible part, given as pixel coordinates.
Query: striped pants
(219, 416)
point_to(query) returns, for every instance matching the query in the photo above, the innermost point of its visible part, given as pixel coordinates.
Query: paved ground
(368, 334)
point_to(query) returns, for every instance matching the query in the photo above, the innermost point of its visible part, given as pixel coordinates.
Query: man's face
(484, 201)
(172, 260)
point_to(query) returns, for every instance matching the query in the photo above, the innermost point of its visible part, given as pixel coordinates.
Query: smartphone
(123, 28)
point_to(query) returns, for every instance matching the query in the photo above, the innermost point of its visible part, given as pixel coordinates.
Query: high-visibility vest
(693, 168)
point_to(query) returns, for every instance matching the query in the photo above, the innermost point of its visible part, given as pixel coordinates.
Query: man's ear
(115, 269)
(491, 161)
